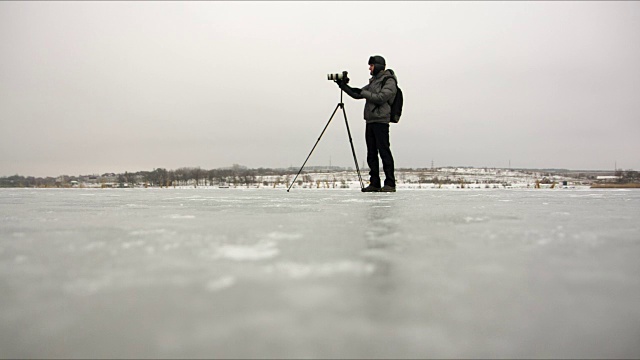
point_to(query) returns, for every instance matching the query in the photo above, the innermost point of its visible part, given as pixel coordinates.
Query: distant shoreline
(616, 186)
(240, 176)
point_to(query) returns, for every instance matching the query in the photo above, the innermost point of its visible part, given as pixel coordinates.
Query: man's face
(371, 69)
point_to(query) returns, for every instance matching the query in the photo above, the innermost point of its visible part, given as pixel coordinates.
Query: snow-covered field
(447, 178)
(221, 273)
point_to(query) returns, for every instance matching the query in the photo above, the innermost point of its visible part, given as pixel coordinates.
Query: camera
(339, 76)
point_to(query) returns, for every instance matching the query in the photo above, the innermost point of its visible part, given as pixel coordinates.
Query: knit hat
(378, 64)
(377, 59)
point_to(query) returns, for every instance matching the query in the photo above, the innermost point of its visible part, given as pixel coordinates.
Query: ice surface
(221, 273)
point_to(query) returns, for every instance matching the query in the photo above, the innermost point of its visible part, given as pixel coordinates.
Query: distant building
(608, 178)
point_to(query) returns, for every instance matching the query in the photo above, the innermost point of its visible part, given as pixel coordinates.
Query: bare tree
(197, 175)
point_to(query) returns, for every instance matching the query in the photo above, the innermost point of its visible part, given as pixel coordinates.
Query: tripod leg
(314, 147)
(353, 151)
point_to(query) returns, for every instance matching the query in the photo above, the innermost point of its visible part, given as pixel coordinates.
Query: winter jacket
(378, 107)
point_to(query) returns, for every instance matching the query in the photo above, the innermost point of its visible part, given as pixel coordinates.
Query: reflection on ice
(306, 270)
(284, 236)
(259, 251)
(178, 216)
(220, 283)
(149, 232)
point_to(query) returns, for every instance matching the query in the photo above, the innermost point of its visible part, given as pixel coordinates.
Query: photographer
(377, 111)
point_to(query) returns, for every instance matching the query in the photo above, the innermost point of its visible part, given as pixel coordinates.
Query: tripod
(353, 151)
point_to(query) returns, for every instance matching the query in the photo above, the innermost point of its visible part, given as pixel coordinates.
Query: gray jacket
(378, 107)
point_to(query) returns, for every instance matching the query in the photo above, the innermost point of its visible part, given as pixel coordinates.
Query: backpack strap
(384, 80)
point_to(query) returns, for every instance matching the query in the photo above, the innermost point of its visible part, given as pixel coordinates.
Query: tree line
(160, 177)
(235, 176)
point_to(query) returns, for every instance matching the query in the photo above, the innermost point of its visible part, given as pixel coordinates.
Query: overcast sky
(125, 86)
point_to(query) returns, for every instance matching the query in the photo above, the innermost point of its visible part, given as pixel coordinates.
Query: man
(377, 114)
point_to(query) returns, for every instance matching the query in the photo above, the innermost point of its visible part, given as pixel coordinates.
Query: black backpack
(396, 105)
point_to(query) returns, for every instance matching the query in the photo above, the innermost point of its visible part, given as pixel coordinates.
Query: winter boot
(388, 188)
(371, 188)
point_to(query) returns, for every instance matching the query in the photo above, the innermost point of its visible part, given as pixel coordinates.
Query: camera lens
(337, 76)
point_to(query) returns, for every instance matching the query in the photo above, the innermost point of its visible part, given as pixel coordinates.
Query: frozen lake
(222, 273)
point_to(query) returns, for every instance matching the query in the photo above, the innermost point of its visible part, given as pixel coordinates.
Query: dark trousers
(377, 137)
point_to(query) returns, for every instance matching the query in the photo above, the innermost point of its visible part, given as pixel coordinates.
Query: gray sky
(121, 86)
